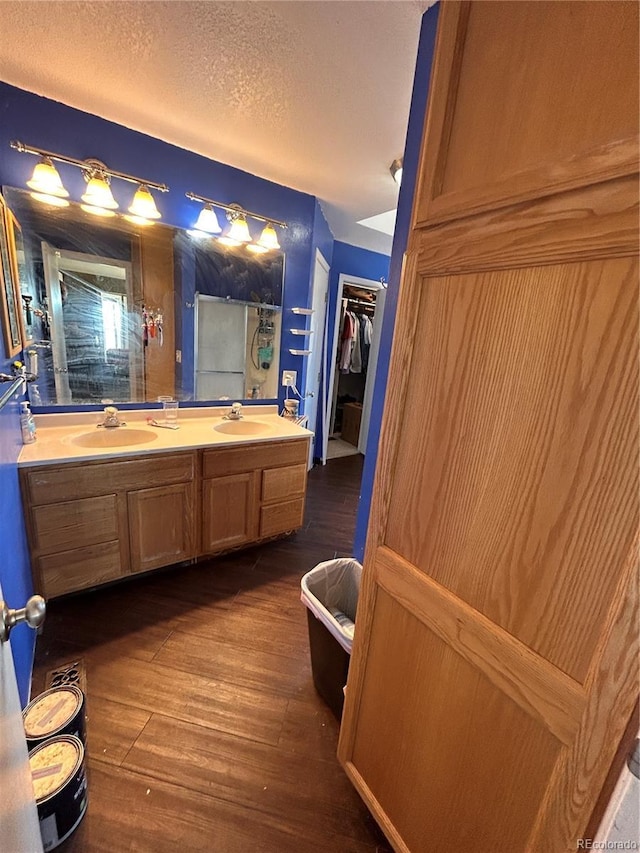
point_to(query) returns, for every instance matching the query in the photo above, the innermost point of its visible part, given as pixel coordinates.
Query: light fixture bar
(234, 208)
(86, 165)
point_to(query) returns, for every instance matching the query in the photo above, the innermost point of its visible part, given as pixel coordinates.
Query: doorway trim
(316, 384)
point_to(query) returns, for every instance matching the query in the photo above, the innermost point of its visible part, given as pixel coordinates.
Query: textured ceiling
(313, 95)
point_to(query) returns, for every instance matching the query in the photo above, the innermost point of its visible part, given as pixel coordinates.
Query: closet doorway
(356, 340)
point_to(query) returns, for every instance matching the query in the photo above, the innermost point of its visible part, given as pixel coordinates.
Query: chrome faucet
(236, 412)
(111, 419)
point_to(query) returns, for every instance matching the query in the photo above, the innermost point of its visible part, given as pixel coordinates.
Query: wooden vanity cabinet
(252, 492)
(93, 522)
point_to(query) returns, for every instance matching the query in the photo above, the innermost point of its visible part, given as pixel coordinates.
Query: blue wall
(403, 219)
(15, 574)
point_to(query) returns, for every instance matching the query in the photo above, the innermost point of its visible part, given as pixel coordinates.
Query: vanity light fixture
(47, 184)
(238, 234)
(208, 221)
(143, 205)
(269, 239)
(396, 170)
(98, 198)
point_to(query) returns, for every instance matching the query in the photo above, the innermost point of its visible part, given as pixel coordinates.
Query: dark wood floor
(205, 731)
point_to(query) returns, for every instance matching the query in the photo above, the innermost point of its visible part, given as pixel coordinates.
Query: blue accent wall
(403, 219)
(15, 573)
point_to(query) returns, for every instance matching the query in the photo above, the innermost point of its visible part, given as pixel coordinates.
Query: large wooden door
(495, 663)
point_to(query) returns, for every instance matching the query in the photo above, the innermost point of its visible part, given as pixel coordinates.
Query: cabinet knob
(32, 613)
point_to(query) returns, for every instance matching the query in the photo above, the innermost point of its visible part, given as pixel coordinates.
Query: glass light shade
(208, 221)
(143, 204)
(54, 200)
(269, 238)
(46, 180)
(98, 194)
(239, 230)
(97, 211)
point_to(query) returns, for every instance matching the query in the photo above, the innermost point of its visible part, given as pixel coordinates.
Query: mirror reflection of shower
(236, 352)
(95, 340)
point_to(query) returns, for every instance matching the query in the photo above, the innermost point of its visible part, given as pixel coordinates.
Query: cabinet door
(229, 511)
(161, 526)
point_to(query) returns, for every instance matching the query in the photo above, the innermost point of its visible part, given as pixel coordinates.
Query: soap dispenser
(27, 424)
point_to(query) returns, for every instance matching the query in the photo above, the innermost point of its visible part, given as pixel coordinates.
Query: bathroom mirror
(125, 312)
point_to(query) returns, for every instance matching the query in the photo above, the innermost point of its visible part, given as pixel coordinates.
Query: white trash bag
(330, 591)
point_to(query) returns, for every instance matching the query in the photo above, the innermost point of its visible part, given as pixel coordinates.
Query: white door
(50, 258)
(381, 295)
(316, 343)
(18, 816)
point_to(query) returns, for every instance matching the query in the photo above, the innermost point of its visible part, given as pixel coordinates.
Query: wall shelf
(302, 310)
(300, 351)
(301, 331)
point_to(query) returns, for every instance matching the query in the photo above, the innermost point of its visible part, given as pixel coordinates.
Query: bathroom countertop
(56, 433)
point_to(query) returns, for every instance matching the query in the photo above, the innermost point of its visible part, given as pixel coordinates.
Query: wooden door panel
(426, 731)
(520, 433)
(600, 221)
(514, 120)
(495, 663)
(546, 693)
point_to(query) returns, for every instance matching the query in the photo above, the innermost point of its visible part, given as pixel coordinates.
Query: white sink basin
(243, 427)
(115, 437)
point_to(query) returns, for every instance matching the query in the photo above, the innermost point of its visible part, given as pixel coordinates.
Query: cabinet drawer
(220, 462)
(52, 484)
(79, 568)
(278, 484)
(282, 517)
(74, 524)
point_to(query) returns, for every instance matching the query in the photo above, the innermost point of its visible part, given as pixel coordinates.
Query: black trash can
(330, 593)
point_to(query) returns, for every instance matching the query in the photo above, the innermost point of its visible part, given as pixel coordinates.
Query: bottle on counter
(27, 424)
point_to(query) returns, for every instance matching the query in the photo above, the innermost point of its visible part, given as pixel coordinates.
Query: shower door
(220, 349)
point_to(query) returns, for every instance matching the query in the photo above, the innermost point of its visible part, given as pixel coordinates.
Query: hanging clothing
(366, 330)
(348, 332)
(356, 355)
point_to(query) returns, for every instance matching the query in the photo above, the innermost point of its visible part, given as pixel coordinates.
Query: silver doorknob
(33, 614)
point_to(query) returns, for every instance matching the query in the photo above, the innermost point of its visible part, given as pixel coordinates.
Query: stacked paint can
(55, 729)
